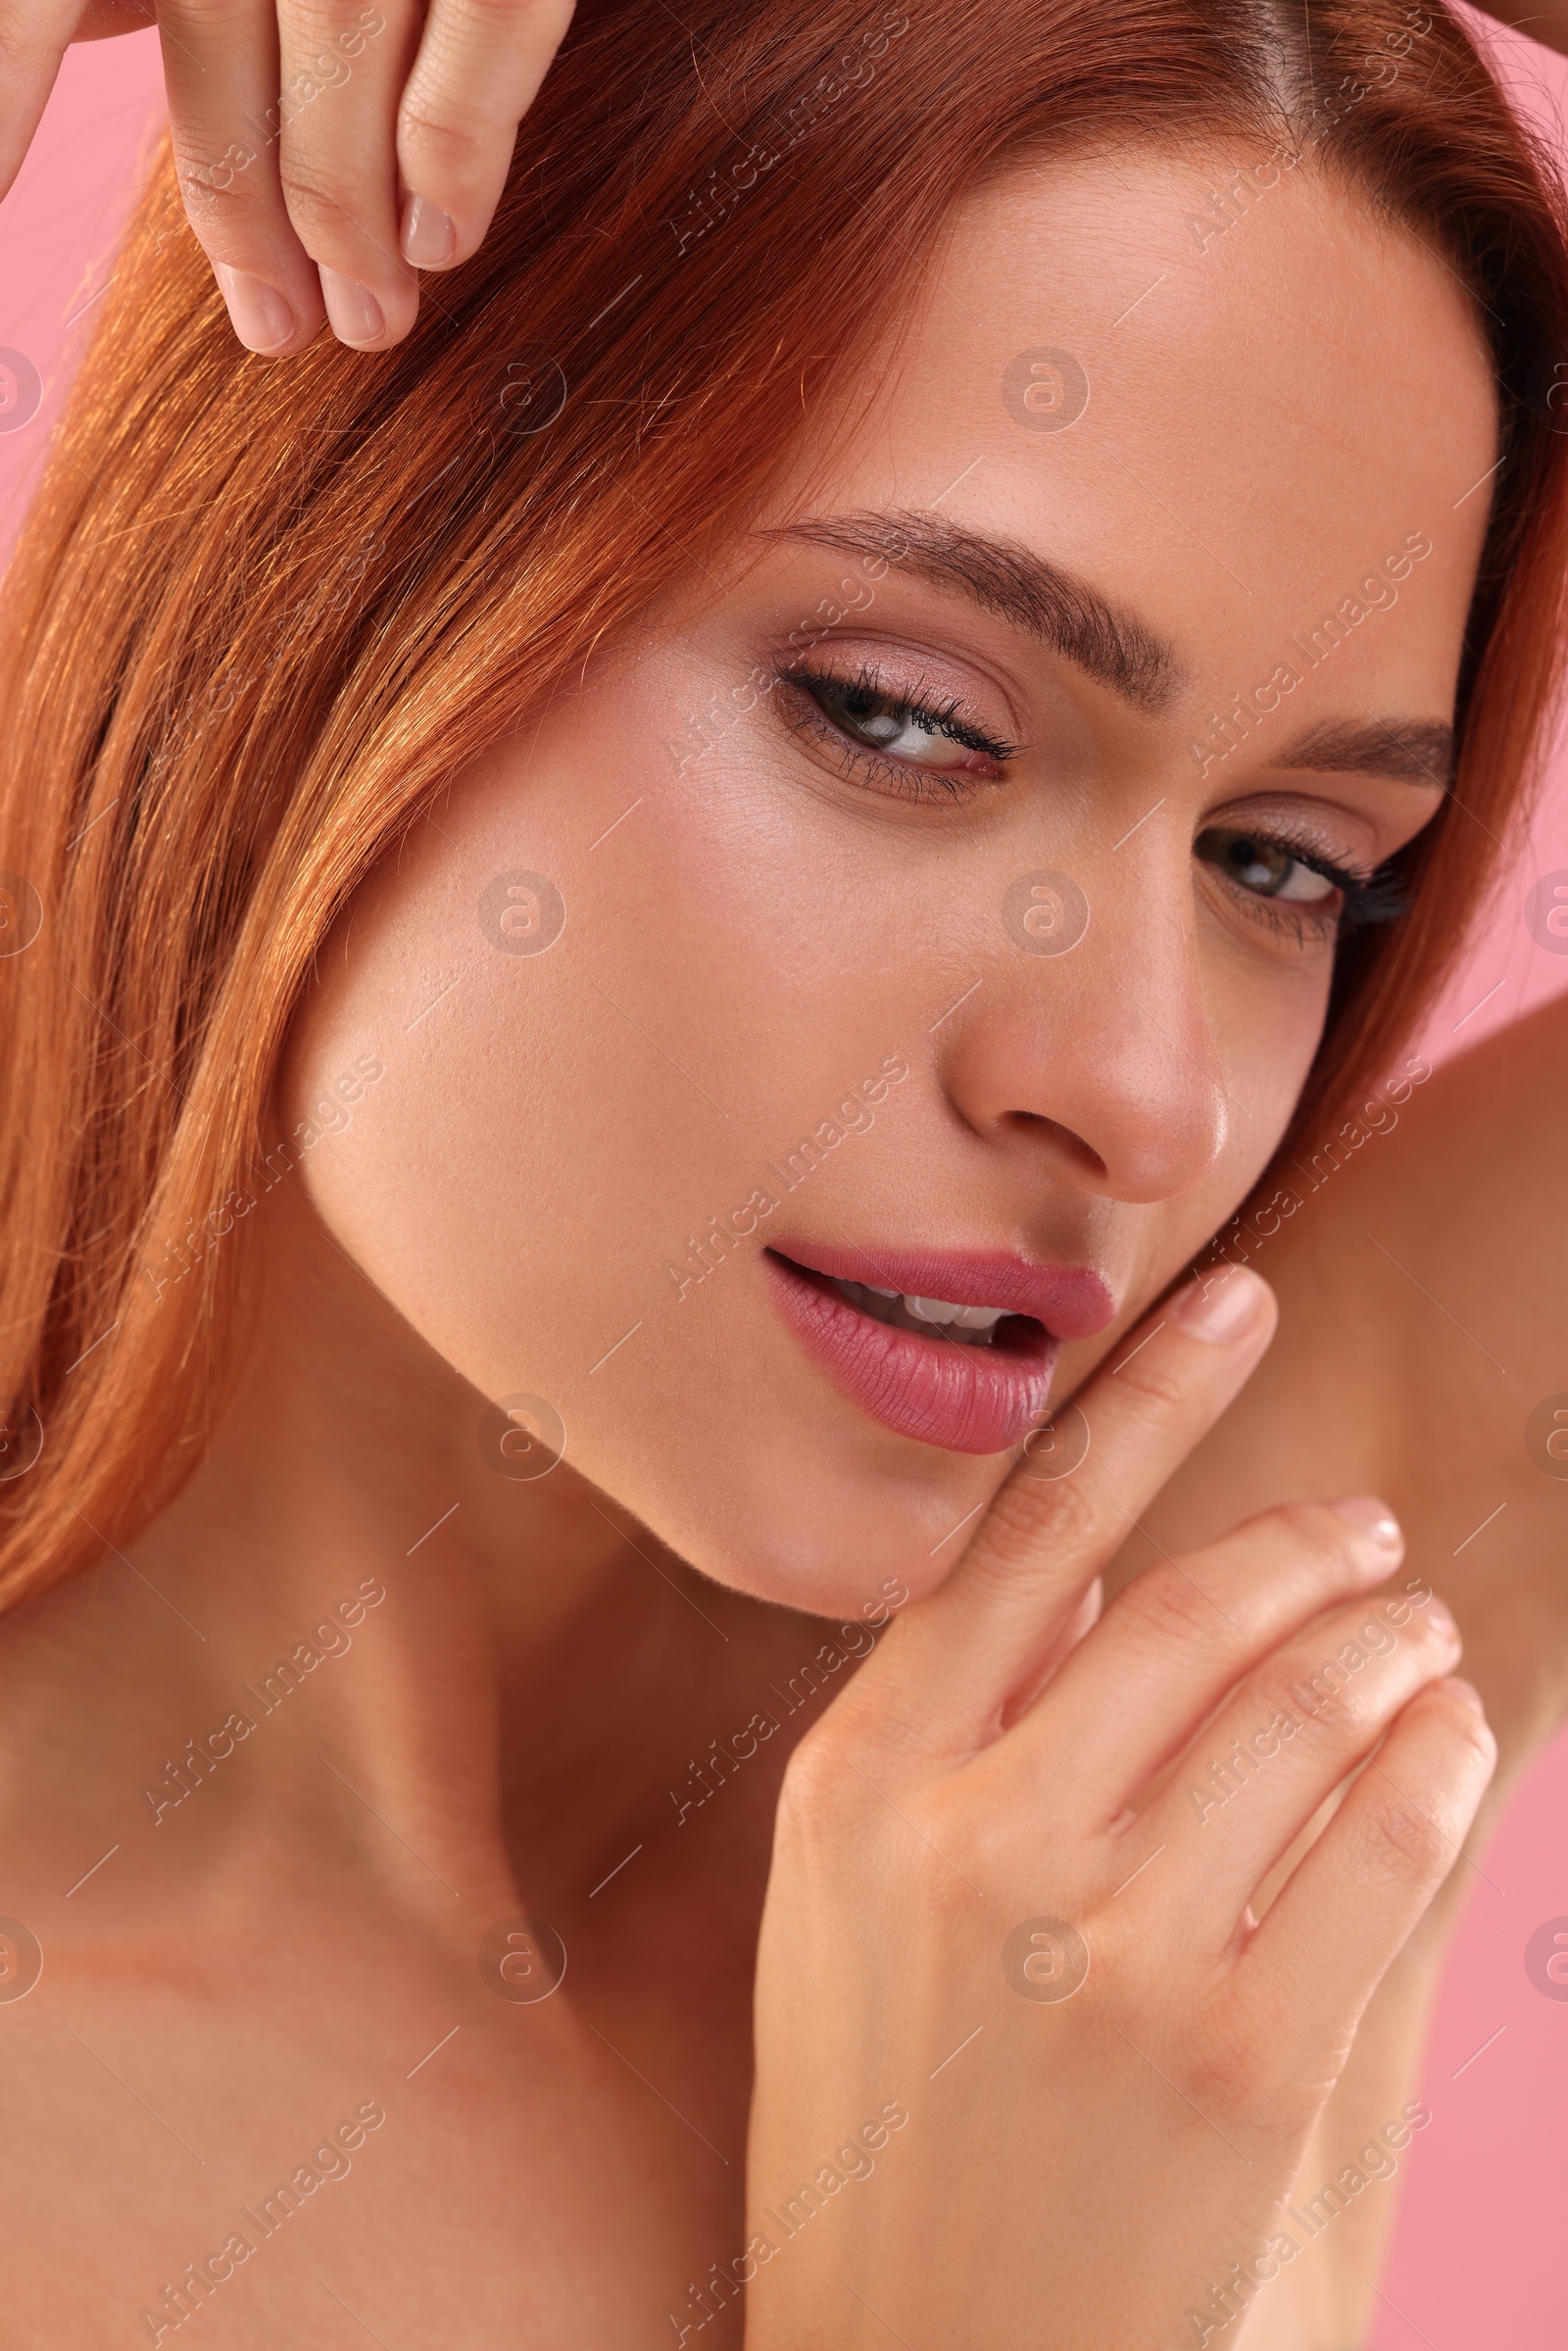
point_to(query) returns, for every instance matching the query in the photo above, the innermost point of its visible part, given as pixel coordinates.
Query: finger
(1353, 1903)
(102, 20)
(477, 74)
(342, 69)
(958, 1657)
(1075, 1628)
(1179, 1637)
(34, 35)
(1289, 1738)
(221, 68)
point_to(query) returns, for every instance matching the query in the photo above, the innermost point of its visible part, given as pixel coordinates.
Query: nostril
(1081, 1155)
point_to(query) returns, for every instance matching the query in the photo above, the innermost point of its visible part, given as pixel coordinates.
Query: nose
(1099, 1054)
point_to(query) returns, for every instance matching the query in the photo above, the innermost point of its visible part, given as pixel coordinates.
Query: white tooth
(874, 1292)
(932, 1309)
(979, 1318)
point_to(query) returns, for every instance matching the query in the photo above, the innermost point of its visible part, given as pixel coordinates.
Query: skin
(298, 1937)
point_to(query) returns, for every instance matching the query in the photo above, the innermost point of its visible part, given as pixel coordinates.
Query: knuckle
(228, 227)
(819, 1790)
(1462, 1725)
(1407, 1842)
(1168, 1606)
(1219, 2075)
(205, 20)
(217, 183)
(318, 26)
(319, 206)
(489, 17)
(462, 139)
(1316, 1704)
(1313, 1528)
(1025, 1517)
(1348, 1686)
(1156, 1382)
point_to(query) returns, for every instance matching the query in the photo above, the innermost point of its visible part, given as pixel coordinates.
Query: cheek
(1266, 1033)
(553, 1027)
(586, 1065)
(567, 1113)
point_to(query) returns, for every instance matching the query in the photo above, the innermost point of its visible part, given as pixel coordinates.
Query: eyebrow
(1052, 605)
(1404, 751)
(1062, 612)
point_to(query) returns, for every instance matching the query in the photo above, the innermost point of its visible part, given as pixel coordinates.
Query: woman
(781, 778)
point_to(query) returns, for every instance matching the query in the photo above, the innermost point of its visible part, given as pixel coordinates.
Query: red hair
(261, 613)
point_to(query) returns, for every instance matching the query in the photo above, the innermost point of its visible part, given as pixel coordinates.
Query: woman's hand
(325, 158)
(1030, 2070)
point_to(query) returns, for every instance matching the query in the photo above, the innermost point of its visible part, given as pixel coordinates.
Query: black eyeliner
(932, 719)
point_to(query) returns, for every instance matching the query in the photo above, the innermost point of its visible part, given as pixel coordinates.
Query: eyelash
(934, 719)
(1367, 897)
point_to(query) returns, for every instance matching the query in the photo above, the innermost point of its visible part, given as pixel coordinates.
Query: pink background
(1477, 2263)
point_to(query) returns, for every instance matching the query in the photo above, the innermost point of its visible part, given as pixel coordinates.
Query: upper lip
(1071, 1301)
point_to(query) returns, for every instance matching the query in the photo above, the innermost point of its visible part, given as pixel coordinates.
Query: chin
(833, 1442)
(833, 1520)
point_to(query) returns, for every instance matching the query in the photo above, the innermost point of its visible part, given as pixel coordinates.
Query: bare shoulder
(1420, 1256)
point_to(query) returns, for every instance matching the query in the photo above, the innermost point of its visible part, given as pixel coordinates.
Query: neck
(481, 1679)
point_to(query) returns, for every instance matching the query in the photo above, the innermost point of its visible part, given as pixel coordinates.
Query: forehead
(1222, 390)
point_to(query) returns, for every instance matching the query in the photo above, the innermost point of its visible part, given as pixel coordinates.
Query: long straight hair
(261, 613)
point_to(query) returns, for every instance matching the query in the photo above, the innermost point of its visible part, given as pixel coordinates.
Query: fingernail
(260, 314)
(428, 235)
(353, 309)
(1466, 1690)
(1224, 1307)
(1373, 1517)
(1440, 1618)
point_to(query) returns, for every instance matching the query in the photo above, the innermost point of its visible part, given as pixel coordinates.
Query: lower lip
(971, 1400)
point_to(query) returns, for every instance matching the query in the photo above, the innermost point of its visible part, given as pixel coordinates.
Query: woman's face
(938, 899)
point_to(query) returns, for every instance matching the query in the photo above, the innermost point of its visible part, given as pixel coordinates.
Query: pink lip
(970, 1399)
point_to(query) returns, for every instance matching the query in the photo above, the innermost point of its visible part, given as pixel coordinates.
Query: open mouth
(937, 1319)
(930, 1317)
(971, 1371)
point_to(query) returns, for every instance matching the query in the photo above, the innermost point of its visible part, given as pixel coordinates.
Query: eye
(909, 744)
(1274, 870)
